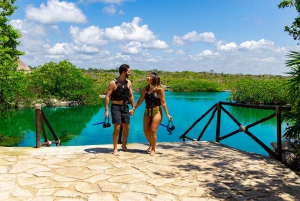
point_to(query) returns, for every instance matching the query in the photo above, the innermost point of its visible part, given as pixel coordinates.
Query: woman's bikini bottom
(153, 113)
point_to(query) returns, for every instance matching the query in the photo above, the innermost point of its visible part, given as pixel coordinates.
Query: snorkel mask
(169, 127)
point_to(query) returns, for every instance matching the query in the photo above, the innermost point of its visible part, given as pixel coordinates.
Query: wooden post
(279, 145)
(38, 119)
(218, 122)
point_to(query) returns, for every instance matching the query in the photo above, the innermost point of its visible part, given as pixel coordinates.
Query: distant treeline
(64, 81)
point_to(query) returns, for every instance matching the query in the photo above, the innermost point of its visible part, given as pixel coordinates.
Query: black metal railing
(218, 107)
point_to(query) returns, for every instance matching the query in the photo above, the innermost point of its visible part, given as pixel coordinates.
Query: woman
(154, 97)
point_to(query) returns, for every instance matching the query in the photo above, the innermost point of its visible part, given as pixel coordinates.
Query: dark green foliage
(294, 29)
(62, 81)
(259, 91)
(293, 91)
(11, 81)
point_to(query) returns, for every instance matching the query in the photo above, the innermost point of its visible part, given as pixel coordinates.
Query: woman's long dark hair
(155, 81)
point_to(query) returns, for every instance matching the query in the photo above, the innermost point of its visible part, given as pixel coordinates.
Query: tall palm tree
(293, 93)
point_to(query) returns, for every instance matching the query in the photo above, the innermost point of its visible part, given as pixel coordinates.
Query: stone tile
(45, 192)
(101, 196)
(166, 197)
(186, 183)
(112, 187)
(131, 197)
(38, 169)
(81, 174)
(60, 178)
(100, 166)
(53, 185)
(122, 171)
(69, 194)
(7, 186)
(178, 191)
(128, 179)
(43, 198)
(18, 192)
(4, 195)
(141, 188)
(96, 178)
(5, 162)
(87, 188)
(20, 168)
(3, 169)
(43, 174)
(32, 181)
(160, 181)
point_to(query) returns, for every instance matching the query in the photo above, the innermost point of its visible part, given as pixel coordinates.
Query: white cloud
(156, 44)
(121, 12)
(61, 48)
(168, 50)
(227, 46)
(131, 48)
(28, 28)
(71, 49)
(194, 37)
(55, 11)
(111, 10)
(252, 45)
(130, 31)
(107, 1)
(56, 28)
(180, 52)
(91, 35)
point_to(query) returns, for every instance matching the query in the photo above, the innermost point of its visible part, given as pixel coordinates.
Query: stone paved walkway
(179, 171)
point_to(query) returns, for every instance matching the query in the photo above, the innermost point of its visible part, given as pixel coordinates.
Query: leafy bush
(259, 91)
(62, 81)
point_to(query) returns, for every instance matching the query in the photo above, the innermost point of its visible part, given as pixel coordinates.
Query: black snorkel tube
(169, 128)
(105, 124)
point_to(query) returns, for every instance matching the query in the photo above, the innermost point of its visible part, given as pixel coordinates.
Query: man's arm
(131, 98)
(107, 97)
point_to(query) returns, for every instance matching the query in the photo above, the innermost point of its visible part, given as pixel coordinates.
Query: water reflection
(16, 126)
(67, 122)
(251, 115)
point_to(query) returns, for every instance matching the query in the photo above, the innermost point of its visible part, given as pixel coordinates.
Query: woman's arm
(163, 102)
(141, 99)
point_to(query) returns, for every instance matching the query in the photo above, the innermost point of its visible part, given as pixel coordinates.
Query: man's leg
(125, 136)
(116, 138)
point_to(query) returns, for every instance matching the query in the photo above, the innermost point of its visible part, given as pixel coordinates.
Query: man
(120, 92)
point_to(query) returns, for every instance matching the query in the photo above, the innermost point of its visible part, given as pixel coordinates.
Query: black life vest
(151, 99)
(121, 93)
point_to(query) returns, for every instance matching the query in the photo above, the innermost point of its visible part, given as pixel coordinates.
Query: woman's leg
(156, 120)
(146, 129)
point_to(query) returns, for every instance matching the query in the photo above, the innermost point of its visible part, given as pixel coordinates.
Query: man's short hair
(123, 67)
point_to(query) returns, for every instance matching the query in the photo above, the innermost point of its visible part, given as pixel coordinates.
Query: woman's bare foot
(152, 153)
(125, 148)
(149, 149)
(115, 153)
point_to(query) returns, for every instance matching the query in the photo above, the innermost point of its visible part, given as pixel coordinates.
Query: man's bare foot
(149, 149)
(152, 153)
(115, 153)
(125, 148)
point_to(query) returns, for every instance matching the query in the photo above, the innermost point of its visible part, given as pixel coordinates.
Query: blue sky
(233, 36)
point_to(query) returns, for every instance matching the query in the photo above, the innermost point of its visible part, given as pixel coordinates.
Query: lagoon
(74, 125)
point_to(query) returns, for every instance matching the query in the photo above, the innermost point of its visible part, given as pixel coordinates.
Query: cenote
(74, 125)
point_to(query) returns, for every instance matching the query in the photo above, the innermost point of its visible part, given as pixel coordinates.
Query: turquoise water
(74, 125)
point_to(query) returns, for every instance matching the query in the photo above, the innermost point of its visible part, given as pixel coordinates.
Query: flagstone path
(191, 171)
